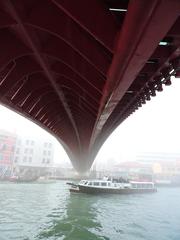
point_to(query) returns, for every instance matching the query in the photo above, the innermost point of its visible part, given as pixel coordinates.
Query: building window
(48, 160)
(24, 159)
(4, 147)
(26, 150)
(49, 153)
(17, 150)
(50, 145)
(43, 160)
(32, 143)
(16, 159)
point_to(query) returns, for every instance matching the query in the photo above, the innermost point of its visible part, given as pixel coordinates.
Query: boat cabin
(114, 184)
(142, 185)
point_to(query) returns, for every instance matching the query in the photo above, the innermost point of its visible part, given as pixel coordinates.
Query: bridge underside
(80, 68)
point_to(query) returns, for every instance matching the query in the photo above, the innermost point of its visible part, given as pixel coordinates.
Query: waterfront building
(32, 156)
(135, 170)
(65, 171)
(7, 144)
(166, 166)
(33, 152)
(24, 154)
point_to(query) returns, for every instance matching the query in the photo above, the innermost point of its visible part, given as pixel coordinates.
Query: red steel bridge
(78, 68)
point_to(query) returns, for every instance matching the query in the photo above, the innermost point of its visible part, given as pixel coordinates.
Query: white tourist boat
(112, 186)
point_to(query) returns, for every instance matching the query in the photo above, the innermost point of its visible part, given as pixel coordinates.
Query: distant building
(167, 171)
(63, 172)
(166, 166)
(20, 155)
(33, 157)
(32, 152)
(135, 170)
(7, 146)
(151, 157)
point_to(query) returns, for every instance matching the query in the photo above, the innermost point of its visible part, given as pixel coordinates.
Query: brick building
(7, 146)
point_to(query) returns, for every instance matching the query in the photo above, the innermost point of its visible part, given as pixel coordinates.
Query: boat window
(104, 184)
(96, 183)
(109, 184)
(90, 183)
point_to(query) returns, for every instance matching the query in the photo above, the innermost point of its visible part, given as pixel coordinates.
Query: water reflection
(80, 220)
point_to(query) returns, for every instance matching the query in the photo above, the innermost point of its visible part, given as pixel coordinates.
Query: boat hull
(94, 190)
(74, 190)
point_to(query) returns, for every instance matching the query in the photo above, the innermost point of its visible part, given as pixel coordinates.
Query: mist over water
(49, 211)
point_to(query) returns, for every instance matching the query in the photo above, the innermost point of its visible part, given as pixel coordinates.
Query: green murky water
(49, 211)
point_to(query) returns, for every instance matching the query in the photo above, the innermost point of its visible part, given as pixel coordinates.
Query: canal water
(49, 211)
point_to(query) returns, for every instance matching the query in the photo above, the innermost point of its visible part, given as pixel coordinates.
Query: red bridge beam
(11, 7)
(146, 23)
(103, 19)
